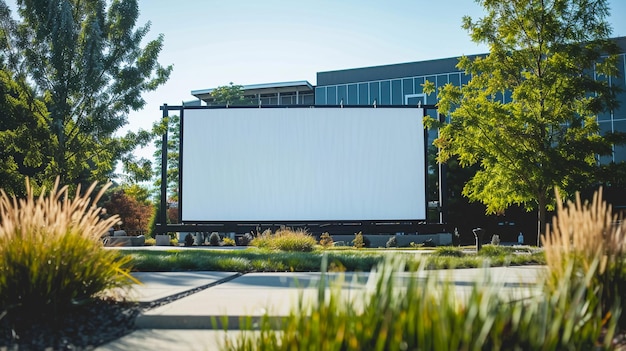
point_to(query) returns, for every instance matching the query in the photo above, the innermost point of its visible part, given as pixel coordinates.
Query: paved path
(189, 323)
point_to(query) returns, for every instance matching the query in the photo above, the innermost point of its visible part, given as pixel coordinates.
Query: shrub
(246, 239)
(262, 240)
(214, 239)
(51, 252)
(358, 241)
(493, 251)
(326, 240)
(228, 242)
(134, 214)
(285, 240)
(495, 239)
(449, 251)
(288, 240)
(582, 234)
(150, 242)
(188, 239)
(392, 242)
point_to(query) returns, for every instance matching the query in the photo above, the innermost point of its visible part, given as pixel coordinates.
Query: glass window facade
(307, 99)
(442, 80)
(417, 85)
(407, 86)
(620, 82)
(397, 97)
(342, 96)
(619, 152)
(605, 127)
(353, 95)
(331, 95)
(397, 90)
(385, 92)
(375, 92)
(604, 116)
(320, 96)
(364, 94)
(455, 79)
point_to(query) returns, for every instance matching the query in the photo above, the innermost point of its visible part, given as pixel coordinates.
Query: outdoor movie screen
(302, 164)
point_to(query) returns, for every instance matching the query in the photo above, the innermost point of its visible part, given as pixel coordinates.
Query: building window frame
(408, 96)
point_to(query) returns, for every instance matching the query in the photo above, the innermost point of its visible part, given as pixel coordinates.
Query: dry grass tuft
(51, 255)
(286, 240)
(583, 233)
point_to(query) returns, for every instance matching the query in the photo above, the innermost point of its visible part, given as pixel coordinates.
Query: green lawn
(262, 260)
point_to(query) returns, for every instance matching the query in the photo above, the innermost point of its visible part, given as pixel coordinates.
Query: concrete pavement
(202, 301)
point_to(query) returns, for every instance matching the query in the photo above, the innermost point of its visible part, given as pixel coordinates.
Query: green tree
(228, 95)
(85, 60)
(172, 125)
(138, 192)
(527, 117)
(25, 138)
(134, 214)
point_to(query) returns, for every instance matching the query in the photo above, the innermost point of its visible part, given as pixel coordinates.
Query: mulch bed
(87, 326)
(82, 327)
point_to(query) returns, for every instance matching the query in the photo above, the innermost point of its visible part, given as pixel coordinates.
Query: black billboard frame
(341, 227)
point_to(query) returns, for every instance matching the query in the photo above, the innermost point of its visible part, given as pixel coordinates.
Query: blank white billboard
(302, 164)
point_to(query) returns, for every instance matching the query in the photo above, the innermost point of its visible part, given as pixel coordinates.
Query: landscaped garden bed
(344, 259)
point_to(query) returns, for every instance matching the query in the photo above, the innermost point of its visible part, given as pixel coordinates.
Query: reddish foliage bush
(135, 215)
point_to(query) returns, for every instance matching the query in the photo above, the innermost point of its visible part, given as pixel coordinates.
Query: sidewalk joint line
(146, 306)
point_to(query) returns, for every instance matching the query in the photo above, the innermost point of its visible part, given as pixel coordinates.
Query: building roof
(264, 88)
(403, 70)
(397, 70)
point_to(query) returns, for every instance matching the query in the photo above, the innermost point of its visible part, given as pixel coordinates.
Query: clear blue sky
(214, 42)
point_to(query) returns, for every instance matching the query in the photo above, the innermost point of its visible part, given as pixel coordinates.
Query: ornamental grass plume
(285, 240)
(400, 310)
(51, 253)
(583, 233)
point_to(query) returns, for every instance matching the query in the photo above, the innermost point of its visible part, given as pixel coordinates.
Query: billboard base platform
(333, 228)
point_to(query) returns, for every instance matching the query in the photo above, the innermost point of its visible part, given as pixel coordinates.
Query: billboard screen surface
(302, 164)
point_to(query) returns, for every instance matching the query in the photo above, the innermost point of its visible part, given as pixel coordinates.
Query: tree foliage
(86, 62)
(527, 117)
(134, 214)
(172, 125)
(25, 139)
(137, 192)
(231, 94)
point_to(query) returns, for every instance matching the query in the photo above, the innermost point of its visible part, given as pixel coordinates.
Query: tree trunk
(541, 217)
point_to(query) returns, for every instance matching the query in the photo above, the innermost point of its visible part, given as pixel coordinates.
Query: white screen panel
(303, 164)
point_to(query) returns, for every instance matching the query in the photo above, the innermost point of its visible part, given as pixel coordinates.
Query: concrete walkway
(205, 304)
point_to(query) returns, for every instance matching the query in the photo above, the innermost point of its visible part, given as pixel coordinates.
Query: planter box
(162, 240)
(117, 241)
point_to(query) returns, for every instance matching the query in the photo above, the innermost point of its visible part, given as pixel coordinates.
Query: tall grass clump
(581, 234)
(326, 240)
(359, 241)
(262, 240)
(396, 312)
(51, 256)
(285, 240)
(491, 250)
(450, 251)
